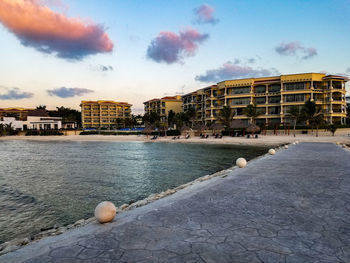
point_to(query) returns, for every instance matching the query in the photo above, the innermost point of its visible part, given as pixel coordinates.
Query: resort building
(15, 124)
(104, 113)
(164, 105)
(18, 113)
(34, 120)
(274, 96)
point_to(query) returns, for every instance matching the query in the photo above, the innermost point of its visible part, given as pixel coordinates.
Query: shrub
(50, 133)
(43, 133)
(32, 133)
(173, 133)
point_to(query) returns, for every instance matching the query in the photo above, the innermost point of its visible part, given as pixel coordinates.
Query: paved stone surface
(290, 207)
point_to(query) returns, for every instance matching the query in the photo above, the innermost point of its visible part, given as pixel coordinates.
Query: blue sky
(241, 41)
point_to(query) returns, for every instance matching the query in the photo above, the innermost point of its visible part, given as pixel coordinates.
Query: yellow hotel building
(103, 113)
(163, 106)
(273, 96)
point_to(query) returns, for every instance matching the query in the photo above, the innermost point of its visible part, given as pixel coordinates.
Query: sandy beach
(262, 140)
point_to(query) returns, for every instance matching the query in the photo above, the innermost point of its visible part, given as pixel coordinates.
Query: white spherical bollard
(241, 162)
(296, 142)
(272, 151)
(285, 146)
(105, 212)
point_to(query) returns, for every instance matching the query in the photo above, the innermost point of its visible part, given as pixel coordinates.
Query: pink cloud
(295, 48)
(170, 47)
(39, 27)
(231, 70)
(204, 14)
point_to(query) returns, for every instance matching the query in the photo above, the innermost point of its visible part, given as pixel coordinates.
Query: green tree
(41, 107)
(129, 123)
(332, 128)
(313, 115)
(296, 115)
(181, 119)
(190, 116)
(151, 117)
(226, 115)
(252, 112)
(171, 118)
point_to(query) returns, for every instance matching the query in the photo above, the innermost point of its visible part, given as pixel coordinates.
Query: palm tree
(190, 115)
(313, 114)
(252, 112)
(296, 114)
(226, 115)
(171, 118)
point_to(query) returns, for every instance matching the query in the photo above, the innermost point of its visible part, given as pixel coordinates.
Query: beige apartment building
(164, 105)
(104, 113)
(274, 96)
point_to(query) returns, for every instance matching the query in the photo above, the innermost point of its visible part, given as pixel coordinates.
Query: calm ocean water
(48, 183)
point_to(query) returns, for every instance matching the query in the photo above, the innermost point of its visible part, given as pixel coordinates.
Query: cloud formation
(14, 94)
(204, 14)
(64, 92)
(232, 70)
(49, 32)
(169, 47)
(102, 68)
(296, 49)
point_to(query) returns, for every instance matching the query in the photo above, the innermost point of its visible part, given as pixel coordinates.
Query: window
(241, 90)
(260, 100)
(294, 86)
(275, 88)
(261, 110)
(260, 89)
(274, 110)
(241, 101)
(295, 98)
(275, 99)
(239, 111)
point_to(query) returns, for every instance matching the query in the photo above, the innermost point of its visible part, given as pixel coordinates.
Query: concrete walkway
(290, 207)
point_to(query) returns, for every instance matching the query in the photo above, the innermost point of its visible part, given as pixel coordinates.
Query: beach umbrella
(200, 127)
(237, 124)
(252, 128)
(185, 128)
(216, 127)
(148, 129)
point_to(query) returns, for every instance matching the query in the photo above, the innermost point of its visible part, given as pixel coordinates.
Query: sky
(59, 52)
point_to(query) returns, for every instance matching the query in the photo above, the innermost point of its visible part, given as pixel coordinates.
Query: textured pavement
(290, 207)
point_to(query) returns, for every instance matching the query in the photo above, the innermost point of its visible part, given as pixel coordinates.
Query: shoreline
(124, 215)
(263, 140)
(20, 242)
(17, 243)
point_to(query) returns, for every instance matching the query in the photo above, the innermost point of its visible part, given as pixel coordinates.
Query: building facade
(34, 120)
(274, 96)
(104, 113)
(163, 106)
(15, 124)
(17, 113)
